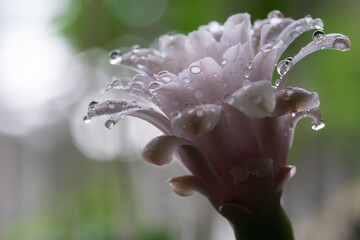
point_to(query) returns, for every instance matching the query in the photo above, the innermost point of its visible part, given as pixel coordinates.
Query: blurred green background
(60, 179)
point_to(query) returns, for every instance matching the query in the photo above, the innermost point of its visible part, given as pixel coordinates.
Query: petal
(258, 167)
(187, 185)
(160, 150)
(328, 41)
(237, 30)
(256, 100)
(204, 79)
(142, 60)
(196, 121)
(262, 66)
(172, 97)
(235, 64)
(120, 108)
(294, 99)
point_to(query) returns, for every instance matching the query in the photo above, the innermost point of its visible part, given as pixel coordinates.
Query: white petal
(256, 100)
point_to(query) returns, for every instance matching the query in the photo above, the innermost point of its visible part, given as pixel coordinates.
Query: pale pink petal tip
(159, 151)
(186, 185)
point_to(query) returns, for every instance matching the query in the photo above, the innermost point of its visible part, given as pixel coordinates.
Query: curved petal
(160, 150)
(120, 108)
(294, 99)
(329, 41)
(187, 185)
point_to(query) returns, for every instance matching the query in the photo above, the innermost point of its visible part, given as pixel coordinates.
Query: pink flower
(221, 115)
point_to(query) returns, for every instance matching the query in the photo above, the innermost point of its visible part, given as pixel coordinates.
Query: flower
(230, 126)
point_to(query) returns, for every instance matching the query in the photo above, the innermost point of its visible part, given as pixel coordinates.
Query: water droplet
(188, 106)
(247, 72)
(277, 82)
(284, 66)
(164, 76)
(109, 124)
(110, 104)
(340, 44)
(318, 35)
(256, 98)
(135, 47)
(308, 18)
(199, 113)
(187, 80)
(247, 83)
(318, 126)
(293, 114)
(318, 23)
(92, 104)
(154, 84)
(195, 69)
(266, 47)
(275, 14)
(216, 75)
(199, 93)
(176, 114)
(115, 56)
(86, 119)
(224, 61)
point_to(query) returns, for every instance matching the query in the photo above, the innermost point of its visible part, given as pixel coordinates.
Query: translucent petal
(196, 121)
(258, 167)
(256, 100)
(294, 99)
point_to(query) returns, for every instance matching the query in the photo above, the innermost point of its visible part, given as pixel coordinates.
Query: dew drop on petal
(115, 56)
(195, 70)
(318, 35)
(187, 80)
(199, 112)
(318, 126)
(86, 119)
(277, 82)
(109, 124)
(318, 23)
(199, 93)
(284, 66)
(246, 83)
(266, 48)
(93, 104)
(275, 14)
(340, 44)
(154, 84)
(215, 75)
(224, 61)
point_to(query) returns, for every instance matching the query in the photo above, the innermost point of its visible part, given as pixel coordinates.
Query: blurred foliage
(101, 207)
